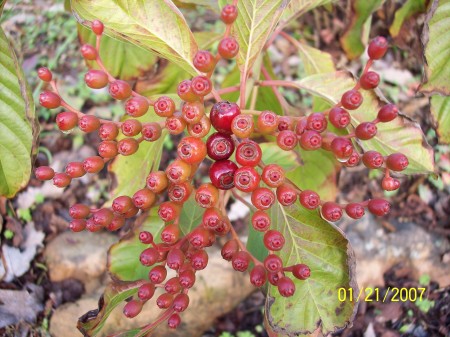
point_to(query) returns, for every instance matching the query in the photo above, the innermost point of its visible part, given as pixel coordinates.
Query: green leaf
(440, 109)
(351, 40)
(17, 123)
(325, 249)
(400, 135)
(408, 10)
(129, 61)
(157, 26)
(191, 215)
(193, 4)
(255, 22)
(2, 4)
(91, 323)
(297, 8)
(317, 172)
(288, 160)
(436, 39)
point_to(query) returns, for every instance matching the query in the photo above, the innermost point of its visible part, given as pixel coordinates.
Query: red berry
(88, 123)
(157, 181)
(366, 130)
(201, 86)
(199, 260)
(164, 106)
(137, 106)
(379, 207)
(342, 148)
(273, 263)
(91, 226)
(229, 249)
(390, 184)
(49, 100)
(273, 175)
(309, 199)
(258, 276)
(179, 193)
(93, 164)
(310, 140)
(131, 213)
(204, 61)
(96, 79)
(193, 112)
(331, 211)
(207, 195)
(175, 259)
(151, 131)
(372, 159)
(240, 261)
(211, 218)
(260, 221)
(221, 174)
(200, 238)
(180, 302)
(169, 211)
(340, 118)
(301, 271)
(354, 210)
(144, 199)
(131, 127)
(274, 278)
(285, 123)
(66, 120)
(222, 115)
(246, 179)
(200, 129)
(127, 146)
(120, 90)
(174, 321)
(351, 99)
(79, 211)
(157, 274)
(187, 278)
(267, 122)
(108, 131)
(229, 14)
(97, 27)
(286, 194)
(44, 173)
(327, 139)
(316, 122)
(146, 291)
(377, 48)
(192, 150)
(369, 80)
(75, 170)
(287, 140)
(178, 171)
(144, 236)
(242, 125)
(117, 222)
(185, 91)
(170, 234)
(228, 48)
(263, 198)
(286, 287)
(122, 205)
(274, 240)
(77, 225)
(88, 52)
(45, 74)
(103, 217)
(301, 125)
(219, 146)
(353, 160)
(397, 162)
(248, 153)
(164, 301)
(175, 124)
(132, 308)
(387, 113)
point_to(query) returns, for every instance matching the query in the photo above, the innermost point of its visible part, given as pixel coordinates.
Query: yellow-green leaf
(157, 26)
(297, 8)
(440, 109)
(409, 9)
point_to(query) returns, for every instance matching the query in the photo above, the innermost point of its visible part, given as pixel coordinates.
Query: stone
(79, 255)
(218, 290)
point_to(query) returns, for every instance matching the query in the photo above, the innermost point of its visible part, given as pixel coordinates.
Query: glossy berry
(45, 74)
(199, 260)
(285, 123)
(211, 218)
(103, 217)
(77, 225)
(117, 222)
(369, 80)
(273, 278)
(108, 131)
(88, 52)
(248, 153)
(355, 210)
(149, 257)
(286, 287)
(131, 127)
(207, 195)
(260, 221)
(263, 198)
(286, 194)
(151, 131)
(387, 113)
(120, 90)
(316, 122)
(221, 174)
(168, 211)
(200, 129)
(242, 125)
(93, 164)
(372, 159)
(327, 139)
(366, 130)
(179, 193)
(192, 150)
(164, 106)
(174, 321)
(229, 249)
(301, 271)
(49, 100)
(377, 48)
(175, 259)
(310, 140)
(301, 126)
(132, 308)
(178, 171)
(246, 179)
(201, 86)
(309, 199)
(157, 181)
(287, 140)
(131, 213)
(273, 263)
(222, 115)
(342, 148)
(390, 184)
(67, 120)
(44, 173)
(274, 240)
(157, 274)
(258, 276)
(79, 211)
(137, 106)
(219, 146)
(144, 199)
(180, 302)
(267, 122)
(340, 118)
(200, 238)
(379, 207)
(127, 146)
(164, 301)
(331, 211)
(192, 112)
(353, 160)
(146, 291)
(96, 79)
(187, 278)
(75, 170)
(122, 205)
(273, 175)
(228, 48)
(228, 14)
(97, 27)
(397, 162)
(240, 261)
(204, 61)
(144, 236)
(351, 99)
(185, 91)
(88, 123)
(175, 124)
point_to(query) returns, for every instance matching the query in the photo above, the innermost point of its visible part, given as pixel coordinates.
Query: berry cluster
(247, 174)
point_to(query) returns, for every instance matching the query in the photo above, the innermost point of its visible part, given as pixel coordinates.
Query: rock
(79, 255)
(377, 251)
(218, 290)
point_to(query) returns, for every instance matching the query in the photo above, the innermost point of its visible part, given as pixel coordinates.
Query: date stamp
(381, 295)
